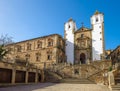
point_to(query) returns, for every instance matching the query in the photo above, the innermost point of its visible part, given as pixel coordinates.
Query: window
(27, 57)
(82, 35)
(38, 56)
(17, 57)
(50, 42)
(28, 46)
(19, 48)
(96, 19)
(49, 57)
(69, 26)
(39, 44)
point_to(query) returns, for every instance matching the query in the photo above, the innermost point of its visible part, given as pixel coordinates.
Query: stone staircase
(52, 76)
(117, 82)
(76, 81)
(116, 87)
(79, 73)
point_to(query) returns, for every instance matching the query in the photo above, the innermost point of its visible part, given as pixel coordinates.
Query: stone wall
(14, 74)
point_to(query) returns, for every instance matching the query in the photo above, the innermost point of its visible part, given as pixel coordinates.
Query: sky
(27, 19)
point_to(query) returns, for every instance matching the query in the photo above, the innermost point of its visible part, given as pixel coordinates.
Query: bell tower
(97, 22)
(69, 28)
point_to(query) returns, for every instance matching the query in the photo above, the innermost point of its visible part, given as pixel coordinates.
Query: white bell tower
(97, 21)
(70, 28)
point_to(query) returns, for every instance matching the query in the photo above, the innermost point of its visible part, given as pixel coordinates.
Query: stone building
(115, 55)
(85, 44)
(43, 50)
(78, 46)
(107, 52)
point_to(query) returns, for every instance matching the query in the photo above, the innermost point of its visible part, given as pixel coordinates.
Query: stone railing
(112, 74)
(101, 75)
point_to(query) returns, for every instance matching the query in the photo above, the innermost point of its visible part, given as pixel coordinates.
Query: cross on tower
(82, 24)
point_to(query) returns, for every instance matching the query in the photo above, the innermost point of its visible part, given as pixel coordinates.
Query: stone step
(116, 87)
(77, 81)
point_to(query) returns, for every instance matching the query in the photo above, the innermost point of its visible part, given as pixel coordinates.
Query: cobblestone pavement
(56, 87)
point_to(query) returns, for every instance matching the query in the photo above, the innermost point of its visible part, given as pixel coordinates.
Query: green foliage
(3, 51)
(110, 68)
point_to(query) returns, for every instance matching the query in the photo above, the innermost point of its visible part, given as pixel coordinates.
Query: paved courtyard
(56, 87)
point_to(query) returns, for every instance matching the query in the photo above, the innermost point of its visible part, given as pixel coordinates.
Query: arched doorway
(82, 58)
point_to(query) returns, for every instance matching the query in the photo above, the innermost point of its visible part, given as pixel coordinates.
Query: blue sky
(26, 19)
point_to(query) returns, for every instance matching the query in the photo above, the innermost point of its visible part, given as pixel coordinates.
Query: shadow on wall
(70, 52)
(96, 54)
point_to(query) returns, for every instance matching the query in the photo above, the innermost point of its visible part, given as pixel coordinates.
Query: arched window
(96, 19)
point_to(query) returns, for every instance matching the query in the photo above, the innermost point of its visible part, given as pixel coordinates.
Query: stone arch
(82, 58)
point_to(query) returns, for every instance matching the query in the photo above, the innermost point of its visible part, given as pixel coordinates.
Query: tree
(5, 39)
(3, 51)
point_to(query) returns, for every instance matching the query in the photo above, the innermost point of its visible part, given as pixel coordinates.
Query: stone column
(36, 76)
(26, 77)
(13, 75)
(42, 76)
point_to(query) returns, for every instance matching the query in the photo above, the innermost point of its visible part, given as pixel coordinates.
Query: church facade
(78, 45)
(84, 45)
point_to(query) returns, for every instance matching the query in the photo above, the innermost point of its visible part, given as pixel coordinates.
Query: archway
(82, 58)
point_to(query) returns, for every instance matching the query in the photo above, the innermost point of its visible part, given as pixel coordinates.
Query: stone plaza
(56, 87)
